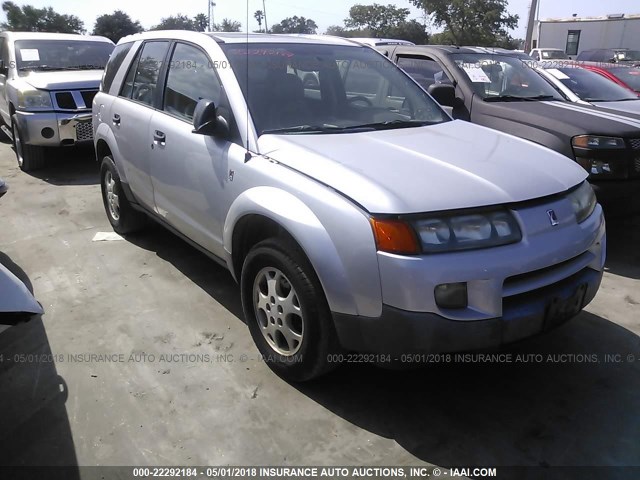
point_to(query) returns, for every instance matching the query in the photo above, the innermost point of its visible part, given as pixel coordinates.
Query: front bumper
(399, 331)
(55, 129)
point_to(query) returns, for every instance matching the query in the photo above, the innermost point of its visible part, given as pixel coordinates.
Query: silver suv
(356, 215)
(47, 84)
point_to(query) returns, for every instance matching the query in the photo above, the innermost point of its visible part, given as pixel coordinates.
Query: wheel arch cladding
(106, 142)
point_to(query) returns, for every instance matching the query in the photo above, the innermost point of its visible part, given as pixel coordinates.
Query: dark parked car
(623, 56)
(504, 93)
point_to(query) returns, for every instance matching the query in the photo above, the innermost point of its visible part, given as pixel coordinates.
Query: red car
(628, 77)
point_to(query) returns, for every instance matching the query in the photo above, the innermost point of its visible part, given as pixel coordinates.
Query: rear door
(131, 114)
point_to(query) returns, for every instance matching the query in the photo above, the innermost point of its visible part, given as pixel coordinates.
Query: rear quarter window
(114, 64)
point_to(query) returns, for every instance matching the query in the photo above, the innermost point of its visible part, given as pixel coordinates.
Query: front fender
(14, 295)
(350, 284)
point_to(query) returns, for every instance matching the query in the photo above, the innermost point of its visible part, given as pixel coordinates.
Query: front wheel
(30, 157)
(287, 312)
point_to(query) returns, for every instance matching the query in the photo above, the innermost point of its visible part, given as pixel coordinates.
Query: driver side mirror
(443, 93)
(206, 120)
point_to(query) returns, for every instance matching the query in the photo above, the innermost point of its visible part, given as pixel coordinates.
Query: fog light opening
(451, 295)
(47, 132)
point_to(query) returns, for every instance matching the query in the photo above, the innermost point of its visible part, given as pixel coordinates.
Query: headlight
(597, 142)
(583, 200)
(466, 232)
(34, 99)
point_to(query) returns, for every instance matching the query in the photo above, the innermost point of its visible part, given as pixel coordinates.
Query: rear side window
(142, 79)
(115, 61)
(191, 77)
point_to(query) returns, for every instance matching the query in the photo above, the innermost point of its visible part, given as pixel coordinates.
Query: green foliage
(177, 22)
(295, 25)
(259, 16)
(116, 25)
(31, 19)
(227, 25)
(470, 22)
(380, 21)
(201, 22)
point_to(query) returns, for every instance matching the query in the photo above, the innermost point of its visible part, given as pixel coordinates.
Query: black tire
(122, 216)
(30, 157)
(319, 340)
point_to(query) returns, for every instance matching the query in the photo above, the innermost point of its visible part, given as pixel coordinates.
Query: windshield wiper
(41, 67)
(87, 66)
(367, 127)
(304, 129)
(515, 98)
(392, 124)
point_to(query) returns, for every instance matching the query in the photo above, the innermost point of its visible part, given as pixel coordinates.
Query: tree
(295, 25)
(31, 19)
(228, 25)
(259, 16)
(381, 21)
(116, 25)
(201, 22)
(176, 22)
(378, 19)
(470, 22)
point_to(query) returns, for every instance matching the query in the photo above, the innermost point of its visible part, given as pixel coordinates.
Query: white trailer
(573, 35)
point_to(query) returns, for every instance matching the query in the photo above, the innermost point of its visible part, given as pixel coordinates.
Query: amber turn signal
(395, 236)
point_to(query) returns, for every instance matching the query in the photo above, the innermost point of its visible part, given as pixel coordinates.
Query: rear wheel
(122, 216)
(30, 157)
(287, 312)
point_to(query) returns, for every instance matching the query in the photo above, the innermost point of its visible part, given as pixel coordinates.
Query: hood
(16, 298)
(64, 80)
(451, 165)
(625, 107)
(566, 118)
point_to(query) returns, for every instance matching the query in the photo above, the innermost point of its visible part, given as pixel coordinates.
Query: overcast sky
(324, 13)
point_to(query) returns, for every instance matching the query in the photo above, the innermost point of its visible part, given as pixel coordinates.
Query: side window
(115, 61)
(191, 77)
(425, 71)
(140, 84)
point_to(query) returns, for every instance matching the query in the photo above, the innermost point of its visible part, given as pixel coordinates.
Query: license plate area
(559, 310)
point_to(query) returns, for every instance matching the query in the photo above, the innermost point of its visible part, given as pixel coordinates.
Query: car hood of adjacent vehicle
(566, 118)
(64, 79)
(624, 107)
(452, 165)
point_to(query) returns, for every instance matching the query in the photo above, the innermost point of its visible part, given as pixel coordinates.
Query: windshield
(628, 56)
(590, 86)
(630, 76)
(46, 55)
(553, 55)
(504, 78)
(308, 88)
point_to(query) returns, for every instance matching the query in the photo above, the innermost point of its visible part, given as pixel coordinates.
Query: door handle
(159, 137)
(116, 119)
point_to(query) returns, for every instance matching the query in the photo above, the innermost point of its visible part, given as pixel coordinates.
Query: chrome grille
(635, 143)
(84, 131)
(65, 101)
(87, 96)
